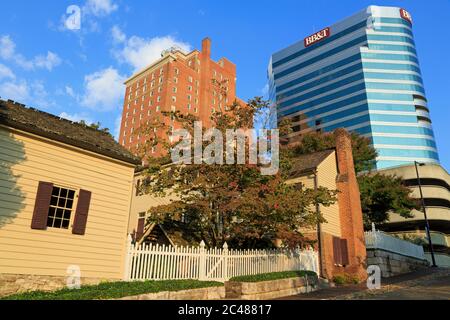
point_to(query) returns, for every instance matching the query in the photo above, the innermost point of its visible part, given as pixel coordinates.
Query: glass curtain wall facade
(361, 74)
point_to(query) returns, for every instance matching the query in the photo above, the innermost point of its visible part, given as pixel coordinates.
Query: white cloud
(100, 8)
(139, 52)
(70, 92)
(103, 90)
(17, 91)
(77, 117)
(118, 35)
(6, 73)
(7, 47)
(32, 94)
(8, 52)
(48, 62)
(117, 124)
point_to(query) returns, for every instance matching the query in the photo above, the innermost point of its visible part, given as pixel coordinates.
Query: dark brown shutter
(344, 252)
(41, 206)
(337, 253)
(81, 214)
(140, 229)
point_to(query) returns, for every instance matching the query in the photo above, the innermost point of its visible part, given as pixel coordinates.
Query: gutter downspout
(319, 226)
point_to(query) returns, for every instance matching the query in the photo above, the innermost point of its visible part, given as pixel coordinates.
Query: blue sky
(79, 74)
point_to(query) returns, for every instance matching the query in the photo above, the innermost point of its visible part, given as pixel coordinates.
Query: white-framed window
(190, 79)
(175, 80)
(174, 99)
(189, 106)
(158, 99)
(61, 207)
(177, 71)
(149, 112)
(190, 88)
(174, 90)
(173, 108)
(158, 108)
(189, 97)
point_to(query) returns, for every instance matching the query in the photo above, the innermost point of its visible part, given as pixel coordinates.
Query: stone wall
(270, 289)
(211, 293)
(17, 283)
(392, 264)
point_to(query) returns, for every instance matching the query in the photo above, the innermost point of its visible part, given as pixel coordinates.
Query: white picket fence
(159, 262)
(376, 239)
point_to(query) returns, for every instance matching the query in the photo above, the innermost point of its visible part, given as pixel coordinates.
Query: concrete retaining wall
(211, 293)
(18, 283)
(270, 289)
(392, 264)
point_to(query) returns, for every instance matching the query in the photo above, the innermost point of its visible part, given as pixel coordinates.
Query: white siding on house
(25, 160)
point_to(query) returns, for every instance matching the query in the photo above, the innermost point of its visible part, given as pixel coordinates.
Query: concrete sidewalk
(430, 283)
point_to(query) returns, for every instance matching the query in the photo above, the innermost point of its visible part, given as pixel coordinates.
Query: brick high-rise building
(177, 82)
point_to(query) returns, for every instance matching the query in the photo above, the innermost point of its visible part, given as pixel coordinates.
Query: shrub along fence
(159, 262)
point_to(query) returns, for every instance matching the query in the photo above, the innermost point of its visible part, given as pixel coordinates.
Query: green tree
(363, 153)
(380, 194)
(233, 203)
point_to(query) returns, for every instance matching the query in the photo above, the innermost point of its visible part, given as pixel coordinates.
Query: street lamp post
(427, 225)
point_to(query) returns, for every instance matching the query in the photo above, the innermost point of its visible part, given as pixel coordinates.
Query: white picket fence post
(156, 262)
(202, 262)
(126, 275)
(225, 262)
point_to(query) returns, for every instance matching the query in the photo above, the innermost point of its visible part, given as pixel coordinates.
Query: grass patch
(273, 276)
(114, 290)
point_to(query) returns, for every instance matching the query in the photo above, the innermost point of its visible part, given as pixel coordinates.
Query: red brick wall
(350, 207)
(204, 95)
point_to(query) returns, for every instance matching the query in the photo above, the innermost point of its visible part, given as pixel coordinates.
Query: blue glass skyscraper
(361, 74)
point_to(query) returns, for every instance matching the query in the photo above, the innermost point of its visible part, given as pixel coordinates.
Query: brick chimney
(206, 47)
(350, 211)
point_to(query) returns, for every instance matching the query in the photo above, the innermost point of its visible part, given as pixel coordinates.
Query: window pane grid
(60, 209)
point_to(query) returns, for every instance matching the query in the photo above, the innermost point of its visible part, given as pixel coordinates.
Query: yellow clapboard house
(65, 192)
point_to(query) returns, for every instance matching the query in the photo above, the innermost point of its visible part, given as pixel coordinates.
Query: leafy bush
(343, 279)
(114, 290)
(273, 276)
